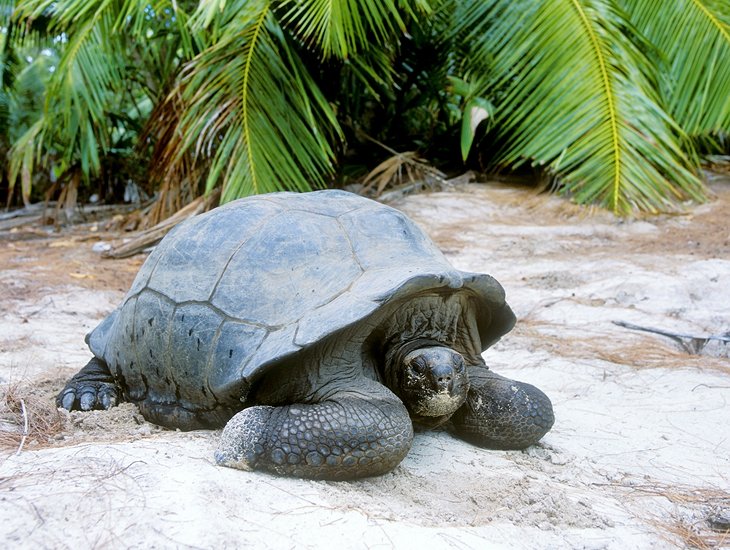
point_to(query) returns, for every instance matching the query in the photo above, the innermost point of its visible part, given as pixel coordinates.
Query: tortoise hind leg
(176, 416)
(351, 434)
(500, 413)
(93, 387)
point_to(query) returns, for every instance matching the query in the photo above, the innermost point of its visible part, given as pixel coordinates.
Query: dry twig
(25, 426)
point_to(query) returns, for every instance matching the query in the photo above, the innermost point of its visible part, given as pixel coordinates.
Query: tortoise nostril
(442, 378)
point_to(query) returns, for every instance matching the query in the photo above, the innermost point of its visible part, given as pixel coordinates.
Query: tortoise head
(431, 381)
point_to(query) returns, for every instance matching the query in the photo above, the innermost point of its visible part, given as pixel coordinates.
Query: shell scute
(193, 260)
(236, 344)
(152, 317)
(383, 237)
(296, 262)
(193, 331)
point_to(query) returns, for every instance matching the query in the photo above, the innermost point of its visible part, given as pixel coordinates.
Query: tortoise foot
(240, 445)
(500, 413)
(344, 437)
(93, 387)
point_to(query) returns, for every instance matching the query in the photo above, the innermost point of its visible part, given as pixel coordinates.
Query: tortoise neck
(430, 317)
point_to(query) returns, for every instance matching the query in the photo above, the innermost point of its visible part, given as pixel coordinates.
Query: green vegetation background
(616, 101)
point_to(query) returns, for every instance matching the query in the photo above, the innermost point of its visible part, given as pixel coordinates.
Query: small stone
(101, 246)
(144, 430)
(720, 520)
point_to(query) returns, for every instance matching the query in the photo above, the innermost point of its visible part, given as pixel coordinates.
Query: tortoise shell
(231, 293)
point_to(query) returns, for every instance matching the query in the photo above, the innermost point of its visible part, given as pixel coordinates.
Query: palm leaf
(251, 107)
(142, 19)
(22, 157)
(339, 28)
(26, 57)
(100, 74)
(694, 37)
(79, 94)
(79, 98)
(575, 95)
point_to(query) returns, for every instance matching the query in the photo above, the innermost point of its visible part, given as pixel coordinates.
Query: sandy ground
(639, 456)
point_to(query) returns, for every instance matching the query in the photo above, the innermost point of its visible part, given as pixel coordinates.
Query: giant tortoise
(318, 328)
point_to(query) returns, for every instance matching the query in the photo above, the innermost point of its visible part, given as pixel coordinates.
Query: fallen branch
(150, 237)
(690, 343)
(33, 213)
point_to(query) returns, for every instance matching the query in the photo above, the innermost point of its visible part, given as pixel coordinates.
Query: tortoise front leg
(352, 434)
(500, 413)
(93, 387)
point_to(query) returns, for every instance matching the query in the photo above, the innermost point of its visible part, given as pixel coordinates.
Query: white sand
(639, 456)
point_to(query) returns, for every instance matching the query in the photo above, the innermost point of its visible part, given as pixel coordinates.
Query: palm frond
(340, 28)
(65, 12)
(575, 95)
(143, 19)
(215, 15)
(114, 58)
(88, 72)
(78, 93)
(22, 47)
(22, 157)
(251, 107)
(694, 37)
(29, 82)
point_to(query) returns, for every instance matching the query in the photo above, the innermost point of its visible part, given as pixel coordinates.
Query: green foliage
(576, 94)
(342, 27)
(612, 97)
(96, 95)
(26, 61)
(693, 38)
(250, 104)
(476, 110)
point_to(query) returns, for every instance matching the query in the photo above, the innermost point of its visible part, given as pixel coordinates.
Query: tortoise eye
(459, 364)
(418, 366)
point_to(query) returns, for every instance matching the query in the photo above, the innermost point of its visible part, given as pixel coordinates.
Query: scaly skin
(500, 413)
(353, 434)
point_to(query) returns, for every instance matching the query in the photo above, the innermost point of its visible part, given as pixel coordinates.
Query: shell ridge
(133, 345)
(158, 257)
(216, 309)
(208, 368)
(352, 248)
(237, 248)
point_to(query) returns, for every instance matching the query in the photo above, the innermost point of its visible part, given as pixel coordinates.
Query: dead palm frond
(398, 170)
